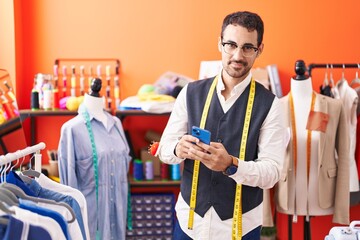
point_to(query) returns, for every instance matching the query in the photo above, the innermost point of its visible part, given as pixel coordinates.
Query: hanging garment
(31, 206)
(46, 182)
(49, 224)
(326, 90)
(76, 228)
(76, 169)
(45, 193)
(349, 98)
(19, 230)
(331, 175)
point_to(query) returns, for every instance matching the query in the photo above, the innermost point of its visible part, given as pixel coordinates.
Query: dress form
(306, 187)
(94, 103)
(305, 198)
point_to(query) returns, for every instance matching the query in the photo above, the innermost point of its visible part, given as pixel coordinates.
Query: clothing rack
(332, 65)
(9, 157)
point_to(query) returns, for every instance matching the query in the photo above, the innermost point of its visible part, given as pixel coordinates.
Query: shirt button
(112, 161)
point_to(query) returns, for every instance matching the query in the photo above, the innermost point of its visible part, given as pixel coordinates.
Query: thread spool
(138, 171)
(164, 172)
(149, 170)
(47, 99)
(35, 100)
(56, 104)
(175, 172)
(8, 110)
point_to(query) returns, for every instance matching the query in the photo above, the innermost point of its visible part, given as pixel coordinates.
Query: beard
(237, 69)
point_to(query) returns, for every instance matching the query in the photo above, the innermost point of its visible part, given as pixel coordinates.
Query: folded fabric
(152, 103)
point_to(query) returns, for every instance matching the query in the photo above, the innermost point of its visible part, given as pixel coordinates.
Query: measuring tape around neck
(237, 215)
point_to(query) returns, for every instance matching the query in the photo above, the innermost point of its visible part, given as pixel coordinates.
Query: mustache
(239, 62)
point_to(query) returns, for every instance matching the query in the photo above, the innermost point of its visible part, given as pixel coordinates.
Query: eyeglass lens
(247, 51)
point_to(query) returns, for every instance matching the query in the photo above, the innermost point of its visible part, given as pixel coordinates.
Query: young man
(247, 141)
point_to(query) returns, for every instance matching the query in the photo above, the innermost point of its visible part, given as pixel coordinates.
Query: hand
(213, 156)
(184, 145)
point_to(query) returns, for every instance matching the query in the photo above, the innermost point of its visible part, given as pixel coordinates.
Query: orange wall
(151, 37)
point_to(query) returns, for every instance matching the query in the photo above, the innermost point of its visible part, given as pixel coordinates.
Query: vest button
(214, 183)
(219, 140)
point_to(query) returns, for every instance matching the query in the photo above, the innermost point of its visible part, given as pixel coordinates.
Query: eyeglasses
(246, 50)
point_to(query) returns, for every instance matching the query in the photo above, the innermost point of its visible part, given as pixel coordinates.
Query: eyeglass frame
(237, 46)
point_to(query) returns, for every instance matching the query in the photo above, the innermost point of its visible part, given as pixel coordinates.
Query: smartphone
(202, 134)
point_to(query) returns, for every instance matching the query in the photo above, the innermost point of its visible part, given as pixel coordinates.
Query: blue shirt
(14, 231)
(13, 177)
(59, 197)
(31, 206)
(76, 170)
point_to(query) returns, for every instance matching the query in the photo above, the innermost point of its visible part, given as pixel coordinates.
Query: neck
(94, 106)
(301, 88)
(230, 82)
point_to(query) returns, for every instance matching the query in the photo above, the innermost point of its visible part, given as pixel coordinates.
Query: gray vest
(214, 188)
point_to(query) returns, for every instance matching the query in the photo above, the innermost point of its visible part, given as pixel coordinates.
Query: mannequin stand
(300, 70)
(306, 229)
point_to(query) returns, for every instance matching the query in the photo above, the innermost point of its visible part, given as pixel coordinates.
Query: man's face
(236, 65)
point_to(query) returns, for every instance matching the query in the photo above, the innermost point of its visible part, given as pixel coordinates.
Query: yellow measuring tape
(293, 127)
(237, 215)
(197, 162)
(308, 141)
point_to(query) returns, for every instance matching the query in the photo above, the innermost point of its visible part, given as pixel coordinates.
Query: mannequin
(94, 103)
(318, 122)
(302, 92)
(94, 158)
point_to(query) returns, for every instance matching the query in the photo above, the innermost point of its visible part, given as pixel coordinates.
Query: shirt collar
(238, 89)
(110, 120)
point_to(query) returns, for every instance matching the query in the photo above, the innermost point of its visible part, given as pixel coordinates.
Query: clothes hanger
(5, 208)
(356, 80)
(21, 194)
(326, 80)
(8, 197)
(30, 172)
(342, 76)
(331, 76)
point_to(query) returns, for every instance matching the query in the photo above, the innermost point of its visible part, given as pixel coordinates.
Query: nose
(238, 54)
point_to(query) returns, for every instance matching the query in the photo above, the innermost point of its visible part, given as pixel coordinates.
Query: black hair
(251, 21)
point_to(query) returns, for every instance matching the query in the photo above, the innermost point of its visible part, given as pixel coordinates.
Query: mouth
(237, 64)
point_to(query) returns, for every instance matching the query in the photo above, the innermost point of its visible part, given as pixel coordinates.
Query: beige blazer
(333, 172)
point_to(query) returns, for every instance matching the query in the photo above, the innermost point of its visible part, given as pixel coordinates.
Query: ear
(219, 45)
(261, 48)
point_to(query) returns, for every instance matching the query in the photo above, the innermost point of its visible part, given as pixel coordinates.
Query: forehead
(239, 34)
